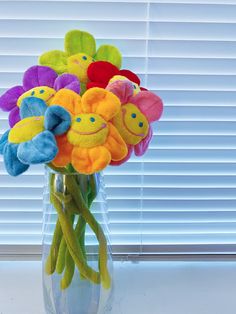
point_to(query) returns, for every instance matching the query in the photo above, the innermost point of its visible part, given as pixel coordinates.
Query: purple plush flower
(38, 81)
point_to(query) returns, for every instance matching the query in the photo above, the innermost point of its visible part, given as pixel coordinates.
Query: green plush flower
(80, 52)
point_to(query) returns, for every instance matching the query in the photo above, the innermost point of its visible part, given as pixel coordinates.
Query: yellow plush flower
(92, 141)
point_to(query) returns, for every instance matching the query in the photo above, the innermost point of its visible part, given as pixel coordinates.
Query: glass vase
(77, 262)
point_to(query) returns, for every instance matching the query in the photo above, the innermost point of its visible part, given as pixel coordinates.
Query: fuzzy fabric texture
(12, 163)
(38, 81)
(32, 107)
(41, 149)
(101, 72)
(32, 139)
(80, 52)
(26, 129)
(135, 117)
(3, 141)
(57, 120)
(77, 41)
(92, 141)
(55, 59)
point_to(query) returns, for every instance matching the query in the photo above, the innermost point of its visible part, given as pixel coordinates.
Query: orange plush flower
(92, 142)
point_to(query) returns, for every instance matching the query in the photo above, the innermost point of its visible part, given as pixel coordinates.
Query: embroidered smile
(50, 97)
(91, 133)
(125, 125)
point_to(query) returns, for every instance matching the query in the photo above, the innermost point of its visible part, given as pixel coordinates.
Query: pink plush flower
(135, 117)
(38, 81)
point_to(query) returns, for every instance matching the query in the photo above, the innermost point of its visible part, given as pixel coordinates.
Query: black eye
(32, 94)
(78, 119)
(134, 86)
(133, 115)
(42, 91)
(84, 57)
(92, 119)
(141, 124)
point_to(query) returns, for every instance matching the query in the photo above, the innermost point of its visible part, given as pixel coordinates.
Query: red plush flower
(100, 73)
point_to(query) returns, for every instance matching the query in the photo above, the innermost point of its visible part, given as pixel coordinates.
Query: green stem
(81, 224)
(71, 240)
(89, 218)
(61, 259)
(69, 271)
(76, 253)
(60, 265)
(80, 232)
(80, 235)
(57, 169)
(51, 261)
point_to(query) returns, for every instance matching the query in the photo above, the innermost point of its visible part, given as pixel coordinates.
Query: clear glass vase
(77, 262)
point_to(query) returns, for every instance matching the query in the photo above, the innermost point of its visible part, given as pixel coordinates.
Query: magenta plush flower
(38, 81)
(135, 117)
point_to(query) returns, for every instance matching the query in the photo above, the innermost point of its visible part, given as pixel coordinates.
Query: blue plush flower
(32, 140)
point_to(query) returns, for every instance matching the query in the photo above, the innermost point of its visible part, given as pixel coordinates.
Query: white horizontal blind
(181, 196)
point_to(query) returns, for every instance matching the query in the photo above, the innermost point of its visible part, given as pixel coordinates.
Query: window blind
(181, 196)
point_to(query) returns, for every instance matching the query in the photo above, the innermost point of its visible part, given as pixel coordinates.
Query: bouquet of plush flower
(77, 112)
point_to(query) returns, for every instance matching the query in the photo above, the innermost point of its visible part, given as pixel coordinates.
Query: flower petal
(39, 75)
(41, 149)
(100, 101)
(69, 100)
(90, 160)
(109, 53)
(14, 116)
(12, 163)
(32, 107)
(3, 141)
(26, 129)
(102, 72)
(149, 104)
(95, 84)
(9, 99)
(143, 88)
(115, 144)
(57, 120)
(77, 41)
(68, 81)
(142, 146)
(127, 157)
(55, 59)
(123, 89)
(130, 75)
(63, 157)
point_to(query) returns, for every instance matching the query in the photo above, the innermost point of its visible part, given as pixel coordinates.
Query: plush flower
(80, 52)
(32, 140)
(100, 73)
(92, 141)
(38, 81)
(135, 117)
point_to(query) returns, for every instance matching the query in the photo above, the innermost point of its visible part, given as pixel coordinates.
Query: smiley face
(43, 92)
(131, 123)
(26, 129)
(78, 65)
(88, 130)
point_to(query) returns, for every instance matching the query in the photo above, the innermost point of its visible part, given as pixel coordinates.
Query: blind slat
(180, 197)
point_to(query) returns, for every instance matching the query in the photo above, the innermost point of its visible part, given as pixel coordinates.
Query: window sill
(144, 287)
